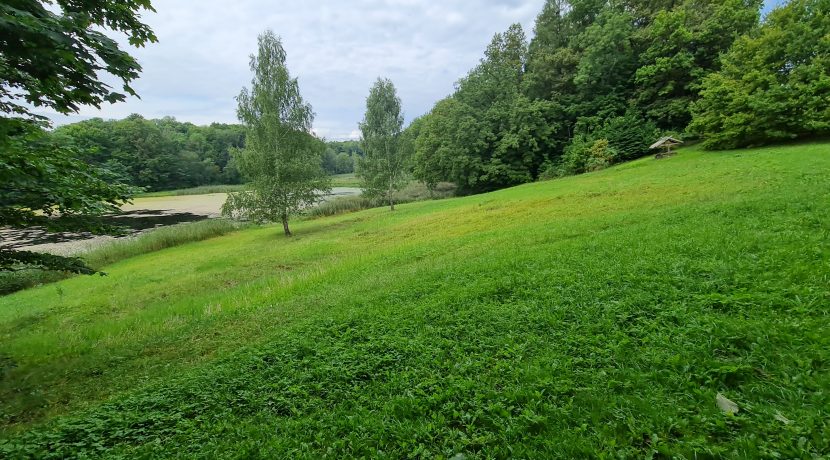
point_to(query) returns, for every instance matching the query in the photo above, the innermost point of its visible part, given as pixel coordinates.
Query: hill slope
(600, 313)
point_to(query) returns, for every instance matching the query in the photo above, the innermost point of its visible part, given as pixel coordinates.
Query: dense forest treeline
(601, 80)
(158, 154)
(596, 84)
(339, 156)
(166, 154)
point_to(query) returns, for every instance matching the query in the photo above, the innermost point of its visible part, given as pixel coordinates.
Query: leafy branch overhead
(47, 185)
(53, 59)
(53, 54)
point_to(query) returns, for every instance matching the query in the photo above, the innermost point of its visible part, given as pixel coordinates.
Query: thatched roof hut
(667, 143)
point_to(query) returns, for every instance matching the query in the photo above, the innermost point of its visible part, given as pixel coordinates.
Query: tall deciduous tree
(448, 143)
(480, 137)
(383, 167)
(55, 57)
(282, 158)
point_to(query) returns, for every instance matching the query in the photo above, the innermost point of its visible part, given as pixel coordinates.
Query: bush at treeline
(601, 80)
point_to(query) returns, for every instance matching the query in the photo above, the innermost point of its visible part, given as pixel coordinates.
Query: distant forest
(167, 154)
(339, 156)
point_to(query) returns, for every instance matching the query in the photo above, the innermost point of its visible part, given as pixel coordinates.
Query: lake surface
(142, 214)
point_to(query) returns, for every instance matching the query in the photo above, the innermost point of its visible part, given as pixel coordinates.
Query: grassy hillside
(596, 315)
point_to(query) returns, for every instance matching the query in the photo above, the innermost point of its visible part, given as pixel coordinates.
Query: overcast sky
(336, 49)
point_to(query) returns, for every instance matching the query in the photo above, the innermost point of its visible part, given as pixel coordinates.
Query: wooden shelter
(667, 143)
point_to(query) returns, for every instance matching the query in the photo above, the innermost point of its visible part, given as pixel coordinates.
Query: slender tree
(383, 166)
(282, 158)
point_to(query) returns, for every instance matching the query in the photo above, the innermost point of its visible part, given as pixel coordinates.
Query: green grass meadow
(346, 180)
(595, 316)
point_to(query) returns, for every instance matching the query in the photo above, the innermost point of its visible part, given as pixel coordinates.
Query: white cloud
(336, 48)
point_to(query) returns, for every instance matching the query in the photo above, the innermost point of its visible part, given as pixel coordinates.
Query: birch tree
(383, 167)
(281, 158)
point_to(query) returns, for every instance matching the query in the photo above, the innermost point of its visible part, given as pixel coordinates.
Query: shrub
(629, 136)
(618, 139)
(600, 155)
(586, 154)
(548, 170)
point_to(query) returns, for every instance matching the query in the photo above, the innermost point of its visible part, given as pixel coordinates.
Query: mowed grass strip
(593, 315)
(346, 180)
(200, 190)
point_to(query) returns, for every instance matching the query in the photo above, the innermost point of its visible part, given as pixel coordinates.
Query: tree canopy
(340, 157)
(166, 154)
(159, 154)
(774, 84)
(595, 85)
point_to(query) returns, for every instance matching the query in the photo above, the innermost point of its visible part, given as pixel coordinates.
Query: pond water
(141, 215)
